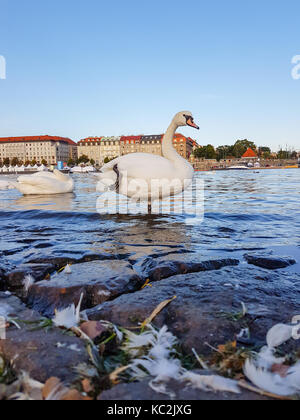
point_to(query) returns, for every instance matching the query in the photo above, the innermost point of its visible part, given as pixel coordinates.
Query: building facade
(130, 144)
(39, 148)
(99, 148)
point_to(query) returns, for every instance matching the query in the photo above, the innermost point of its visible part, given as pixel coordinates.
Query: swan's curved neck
(168, 149)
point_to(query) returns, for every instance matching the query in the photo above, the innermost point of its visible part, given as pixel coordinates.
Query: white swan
(45, 183)
(143, 176)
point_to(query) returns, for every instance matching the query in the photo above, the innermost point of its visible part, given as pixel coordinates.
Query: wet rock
(208, 305)
(172, 265)
(14, 280)
(38, 352)
(75, 257)
(269, 262)
(99, 281)
(138, 391)
(2, 279)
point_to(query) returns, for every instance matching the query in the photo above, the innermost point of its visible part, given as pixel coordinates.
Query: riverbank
(212, 164)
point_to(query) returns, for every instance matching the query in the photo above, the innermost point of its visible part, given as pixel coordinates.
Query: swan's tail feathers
(107, 181)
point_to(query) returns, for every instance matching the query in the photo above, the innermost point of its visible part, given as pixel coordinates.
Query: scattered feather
(211, 383)
(68, 317)
(28, 282)
(104, 293)
(68, 269)
(278, 335)
(266, 358)
(267, 380)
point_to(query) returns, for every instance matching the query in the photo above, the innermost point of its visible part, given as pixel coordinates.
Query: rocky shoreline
(208, 311)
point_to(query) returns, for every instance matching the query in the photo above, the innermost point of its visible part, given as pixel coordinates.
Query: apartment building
(99, 148)
(130, 144)
(153, 144)
(49, 148)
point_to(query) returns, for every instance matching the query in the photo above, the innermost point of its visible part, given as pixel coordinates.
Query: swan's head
(185, 118)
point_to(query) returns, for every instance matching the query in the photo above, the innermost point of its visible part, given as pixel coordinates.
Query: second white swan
(45, 183)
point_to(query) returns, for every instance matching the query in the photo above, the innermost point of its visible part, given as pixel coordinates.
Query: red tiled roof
(136, 139)
(249, 154)
(36, 138)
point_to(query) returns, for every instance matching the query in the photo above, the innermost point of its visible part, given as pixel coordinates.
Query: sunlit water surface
(243, 211)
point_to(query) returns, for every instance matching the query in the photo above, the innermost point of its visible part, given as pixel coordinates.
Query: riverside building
(37, 148)
(100, 148)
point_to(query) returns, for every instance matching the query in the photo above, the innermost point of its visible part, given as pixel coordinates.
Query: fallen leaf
(159, 308)
(51, 385)
(92, 329)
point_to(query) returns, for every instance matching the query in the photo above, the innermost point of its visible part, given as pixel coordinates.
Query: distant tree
(241, 146)
(107, 159)
(15, 161)
(71, 162)
(44, 162)
(33, 162)
(6, 162)
(223, 152)
(205, 152)
(283, 154)
(27, 163)
(92, 162)
(83, 159)
(294, 155)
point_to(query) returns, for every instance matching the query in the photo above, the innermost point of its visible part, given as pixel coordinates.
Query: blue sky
(93, 68)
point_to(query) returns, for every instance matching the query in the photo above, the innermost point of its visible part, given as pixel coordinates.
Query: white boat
(238, 168)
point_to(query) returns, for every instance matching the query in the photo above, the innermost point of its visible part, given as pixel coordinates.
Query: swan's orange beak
(191, 123)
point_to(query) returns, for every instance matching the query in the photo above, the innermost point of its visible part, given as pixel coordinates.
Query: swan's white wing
(142, 166)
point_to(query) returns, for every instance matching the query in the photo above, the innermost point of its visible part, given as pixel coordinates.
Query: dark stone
(99, 281)
(2, 280)
(15, 278)
(162, 268)
(36, 352)
(269, 262)
(206, 302)
(139, 391)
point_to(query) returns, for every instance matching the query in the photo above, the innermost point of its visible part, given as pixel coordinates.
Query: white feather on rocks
(68, 269)
(259, 371)
(211, 383)
(28, 282)
(162, 365)
(278, 335)
(68, 317)
(269, 381)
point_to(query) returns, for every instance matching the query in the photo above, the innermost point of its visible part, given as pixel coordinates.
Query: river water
(243, 211)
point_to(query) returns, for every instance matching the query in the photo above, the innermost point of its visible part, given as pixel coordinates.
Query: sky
(96, 68)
